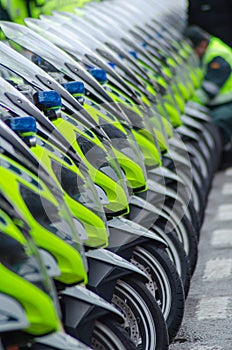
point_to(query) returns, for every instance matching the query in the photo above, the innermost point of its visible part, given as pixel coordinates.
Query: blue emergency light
(75, 88)
(47, 100)
(99, 74)
(23, 125)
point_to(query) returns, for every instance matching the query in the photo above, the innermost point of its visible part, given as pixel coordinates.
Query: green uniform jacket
(216, 87)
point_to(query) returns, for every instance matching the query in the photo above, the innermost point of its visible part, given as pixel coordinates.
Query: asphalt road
(207, 324)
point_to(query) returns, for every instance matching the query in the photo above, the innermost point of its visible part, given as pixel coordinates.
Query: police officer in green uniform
(216, 89)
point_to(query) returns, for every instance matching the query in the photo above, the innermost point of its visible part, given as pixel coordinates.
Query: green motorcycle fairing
(97, 159)
(79, 194)
(24, 278)
(51, 225)
(79, 191)
(124, 146)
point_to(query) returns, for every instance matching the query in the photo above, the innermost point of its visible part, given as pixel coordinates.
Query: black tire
(194, 182)
(216, 148)
(189, 211)
(185, 232)
(194, 218)
(200, 161)
(176, 253)
(164, 283)
(203, 165)
(145, 322)
(182, 192)
(110, 335)
(188, 236)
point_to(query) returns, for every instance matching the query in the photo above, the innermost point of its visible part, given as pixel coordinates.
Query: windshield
(20, 65)
(123, 142)
(49, 52)
(47, 214)
(102, 158)
(55, 219)
(80, 188)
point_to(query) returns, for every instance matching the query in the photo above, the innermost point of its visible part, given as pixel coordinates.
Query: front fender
(105, 268)
(81, 308)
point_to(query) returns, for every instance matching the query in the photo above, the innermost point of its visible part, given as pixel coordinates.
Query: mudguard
(58, 341)
(158, 194)
(148, 214)
(202, 115)
(196, 125)
(13, 317)
(50, 263)
(143, 212)
(191, 122)
(13, 321)
(184, 131)
(105, 268)
(178, 158)
(165, 173)
(81, 308)
(125, 235)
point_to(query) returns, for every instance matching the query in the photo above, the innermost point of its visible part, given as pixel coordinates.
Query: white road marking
(227, 189)
(222, 238)
(202, 347)
(228, 172)
(212, 308)
(217, 269)
(224, 212)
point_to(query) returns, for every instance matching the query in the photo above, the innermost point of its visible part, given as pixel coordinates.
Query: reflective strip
(210, 87)
(224, 98)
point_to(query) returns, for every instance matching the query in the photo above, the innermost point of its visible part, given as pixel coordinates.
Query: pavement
(207, 323)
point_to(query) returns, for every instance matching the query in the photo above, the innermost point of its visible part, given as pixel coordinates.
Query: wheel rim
(104, 339)
(137, 319)
(160, 288)
(173, 254)
(182, 232)
(171, 250)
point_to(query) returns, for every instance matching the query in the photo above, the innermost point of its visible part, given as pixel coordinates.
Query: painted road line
(202, 347)
(228, 172)
(216, 269)
(224, 212)
(213, 308)
(227, 189)
(222, 238)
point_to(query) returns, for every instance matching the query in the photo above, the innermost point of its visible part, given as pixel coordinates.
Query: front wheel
(164, 283)
(144, 319)
(110, 335)
(177, 255)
